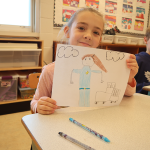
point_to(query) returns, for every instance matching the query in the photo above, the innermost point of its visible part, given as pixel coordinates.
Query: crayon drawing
(72, 3)
(140, 12)
(128, 1)
(139, 25)
(92, 4)
(127, 9)
(88, 61)
(89, 77)
(141, 3)
(126, 23)
(110, 21)
(110, 7)
(66, 14)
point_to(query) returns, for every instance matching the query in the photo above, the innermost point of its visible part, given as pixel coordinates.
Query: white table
(127, 126)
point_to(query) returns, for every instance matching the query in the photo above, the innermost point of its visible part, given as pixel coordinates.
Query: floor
(13, 135)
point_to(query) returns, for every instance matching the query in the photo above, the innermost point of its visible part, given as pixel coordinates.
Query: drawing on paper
(110, 7)
(127, 9)
(72, 3)
(66, 14)
(141, 1)
(115, 56)
(111, 94)
(126, 23)
(139, 25)
(110, 21)
(140, 12)
(85, 75)
(92, 4)
(128, 1)
(66, 52)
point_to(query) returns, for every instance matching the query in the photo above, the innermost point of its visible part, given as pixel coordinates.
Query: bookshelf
(12, 106)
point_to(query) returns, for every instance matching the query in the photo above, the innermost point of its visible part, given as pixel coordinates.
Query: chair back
(34, 79)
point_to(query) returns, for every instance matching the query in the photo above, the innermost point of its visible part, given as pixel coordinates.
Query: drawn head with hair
(91, 59)
(85, 28)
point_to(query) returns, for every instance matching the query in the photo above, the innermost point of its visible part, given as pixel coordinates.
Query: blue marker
(90, 130)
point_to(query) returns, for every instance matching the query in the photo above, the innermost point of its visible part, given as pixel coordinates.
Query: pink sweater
(44, 87)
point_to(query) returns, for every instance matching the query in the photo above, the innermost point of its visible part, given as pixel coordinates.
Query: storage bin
(107, 38)
(23, 78)
(120, 39)
(141, 41)
(8, 86)
(26, 93)
(132, 40)
(19, 58)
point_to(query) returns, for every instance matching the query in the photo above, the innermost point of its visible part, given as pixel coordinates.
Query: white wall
(46, 28)
(47, 33)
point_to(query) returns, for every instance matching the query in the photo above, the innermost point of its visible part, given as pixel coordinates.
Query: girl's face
(86, 30)
(88, 61)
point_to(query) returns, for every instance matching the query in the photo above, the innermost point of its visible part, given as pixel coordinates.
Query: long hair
(96, 61)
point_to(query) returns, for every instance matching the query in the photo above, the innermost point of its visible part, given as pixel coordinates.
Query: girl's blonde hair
(96, 61)
(61, 36)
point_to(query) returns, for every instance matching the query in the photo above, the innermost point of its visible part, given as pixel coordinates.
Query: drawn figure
(111, 94)
(85, 75)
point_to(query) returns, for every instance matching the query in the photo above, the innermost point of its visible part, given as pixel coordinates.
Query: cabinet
(133, 49)
(20, 104)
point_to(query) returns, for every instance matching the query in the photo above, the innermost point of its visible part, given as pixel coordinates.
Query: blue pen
(90, 130)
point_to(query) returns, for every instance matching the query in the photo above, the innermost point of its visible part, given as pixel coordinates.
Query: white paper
(77, 84)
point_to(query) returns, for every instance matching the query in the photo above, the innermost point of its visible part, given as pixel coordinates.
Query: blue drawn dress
(84, 84)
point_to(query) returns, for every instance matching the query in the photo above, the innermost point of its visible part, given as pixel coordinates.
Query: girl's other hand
(46, 106)
(133, 65)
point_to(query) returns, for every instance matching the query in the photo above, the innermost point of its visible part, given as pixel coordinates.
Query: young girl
(85, 28)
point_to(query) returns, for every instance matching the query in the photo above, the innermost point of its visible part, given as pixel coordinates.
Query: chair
(33, 80)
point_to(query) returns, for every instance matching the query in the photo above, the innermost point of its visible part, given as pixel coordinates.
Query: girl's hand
(133, 65)
(46, 106)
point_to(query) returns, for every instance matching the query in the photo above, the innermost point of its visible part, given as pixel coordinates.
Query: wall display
(140, 12)
(92, 3)
(110, 7)
(110, 21)
(66, 14)
(126, 23)
(130, 16)
(139, 25)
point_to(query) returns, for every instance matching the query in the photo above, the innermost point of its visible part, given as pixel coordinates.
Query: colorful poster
(126, 23)
(72, 3)
(92, 4)
(110, 21)
(140, 12)
(128, 1)
(110, 7)
(139, 25)
(66, 14)
(127, 9)
(141, 3)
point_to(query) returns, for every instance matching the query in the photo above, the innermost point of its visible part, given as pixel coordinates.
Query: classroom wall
(46, 28)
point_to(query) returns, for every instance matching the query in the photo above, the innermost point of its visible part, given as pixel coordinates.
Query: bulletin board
(129, 16)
